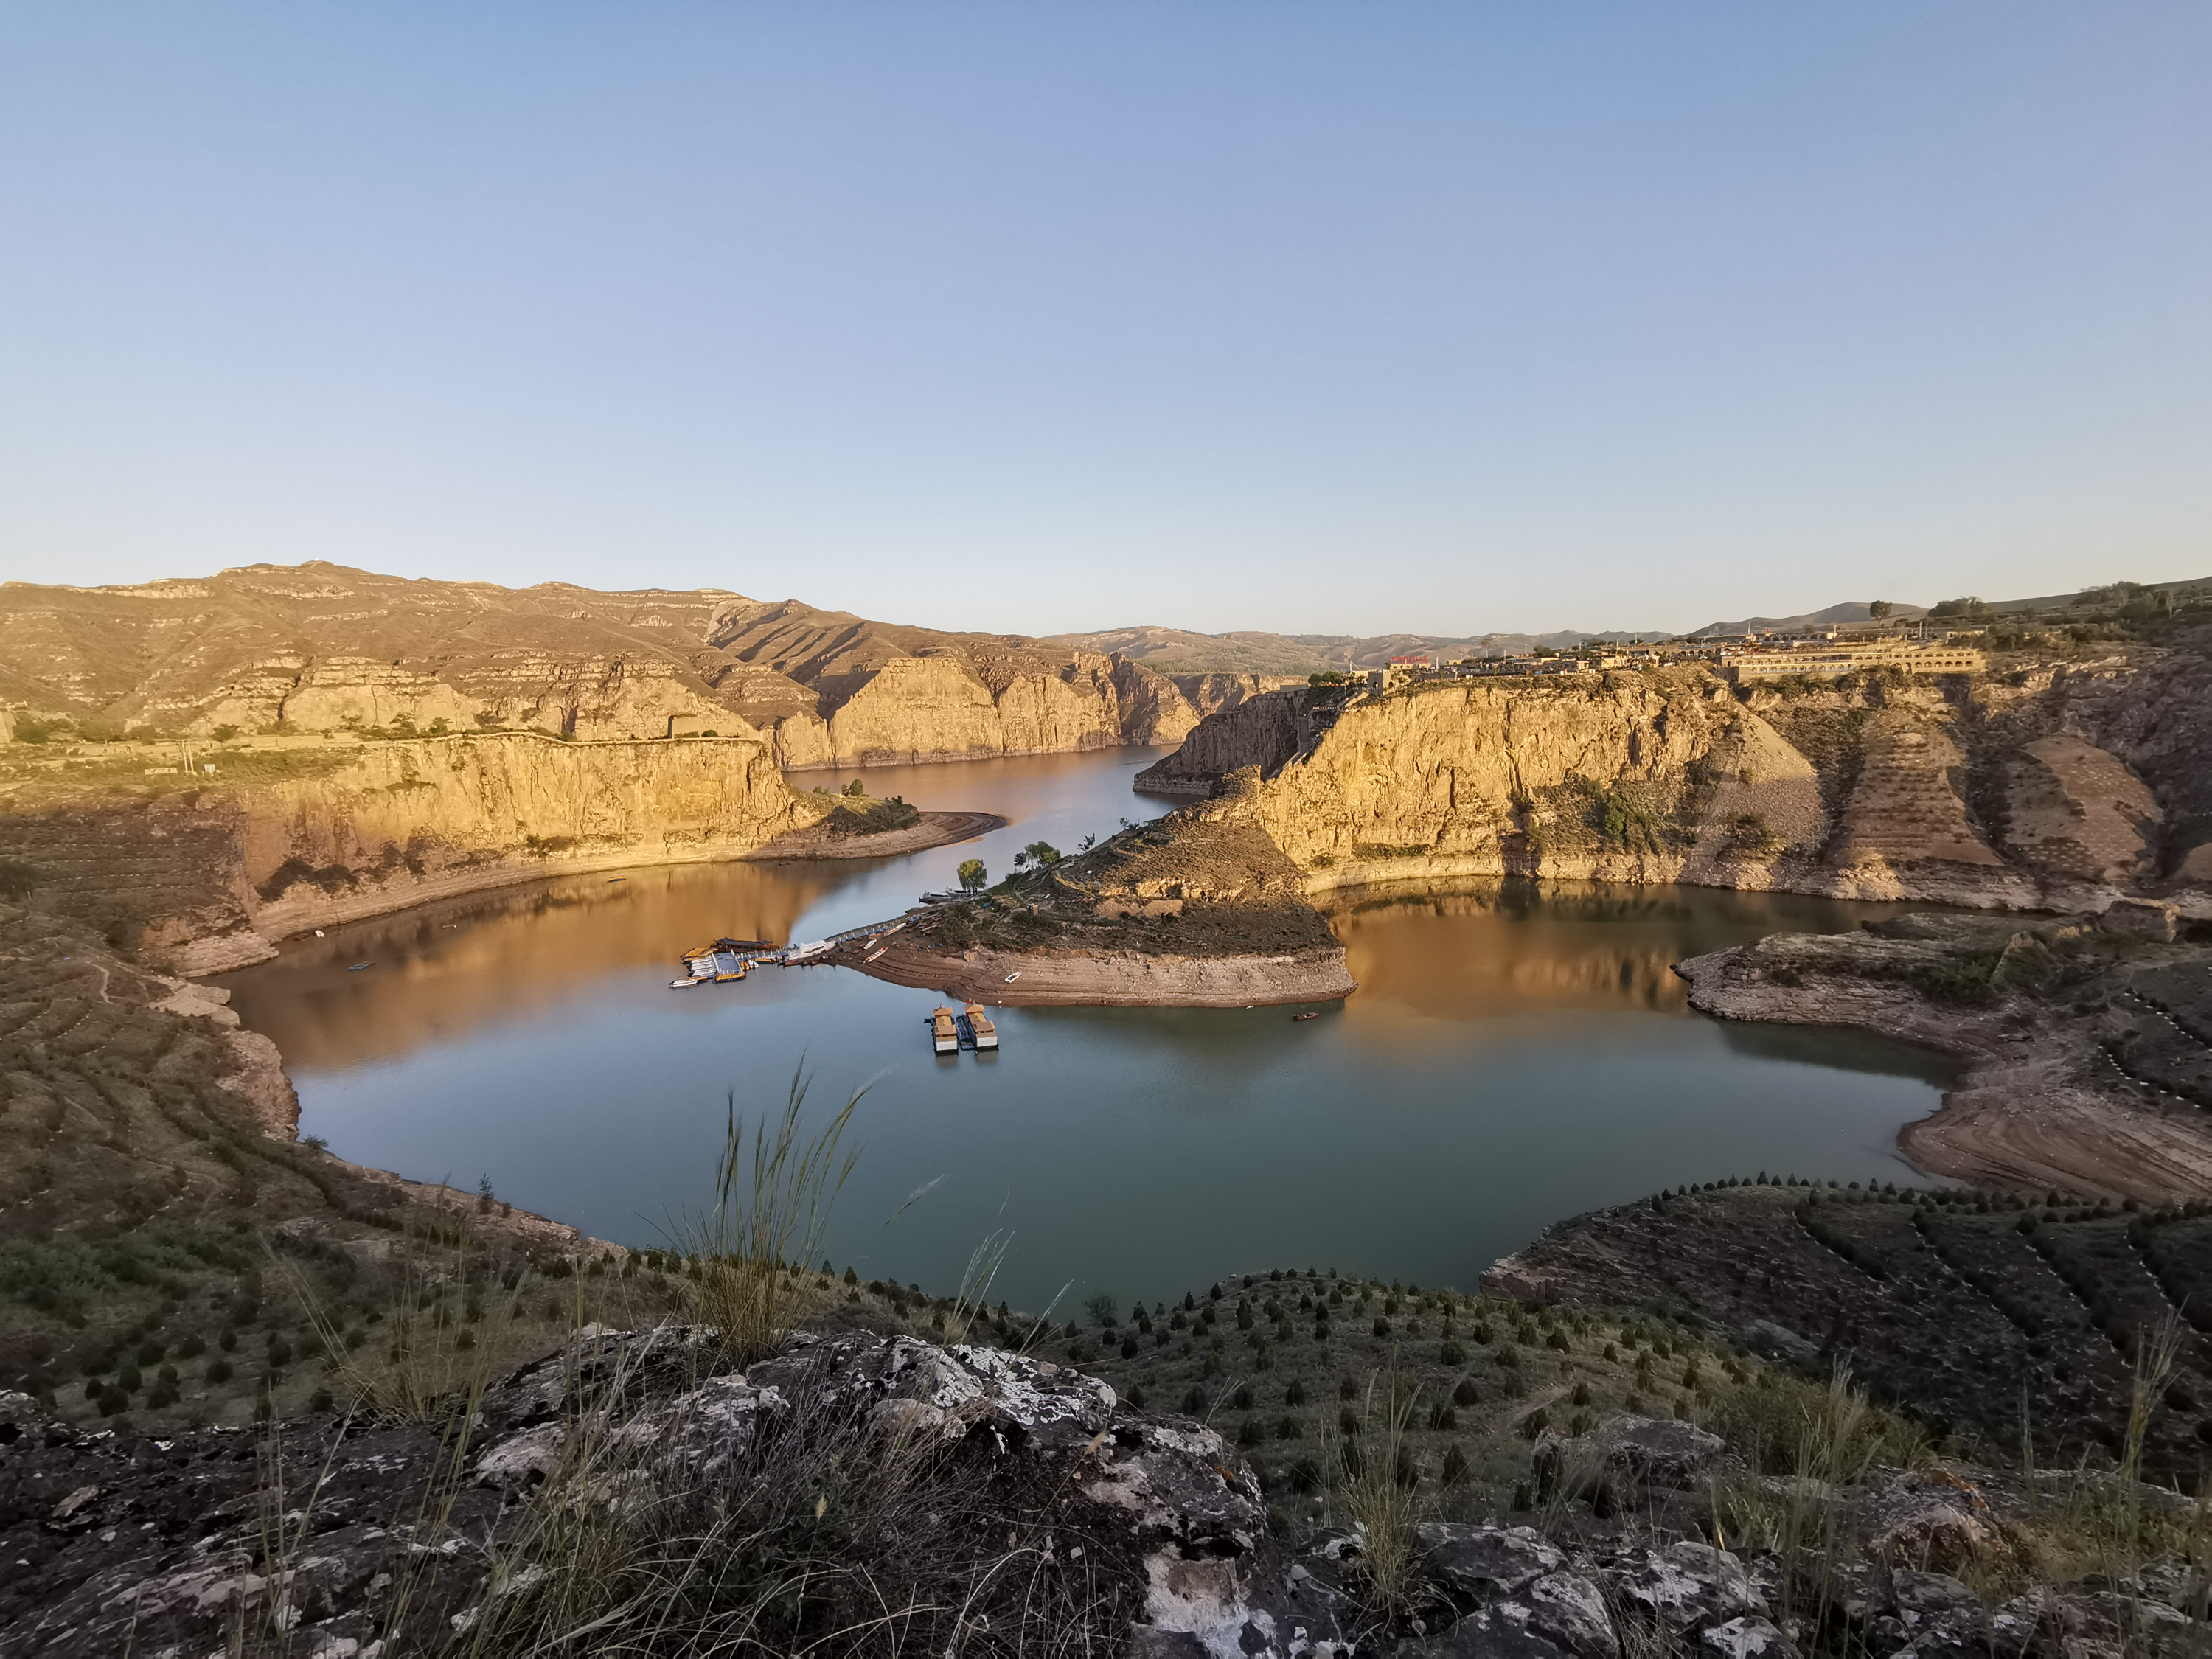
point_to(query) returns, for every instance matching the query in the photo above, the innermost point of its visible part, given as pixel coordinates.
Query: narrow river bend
(1512, 1057)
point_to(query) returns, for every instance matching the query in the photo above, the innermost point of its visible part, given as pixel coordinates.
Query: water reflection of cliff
(1504, 948)
(444, 970)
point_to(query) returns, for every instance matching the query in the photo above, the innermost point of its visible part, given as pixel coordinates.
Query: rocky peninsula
(1200, 910)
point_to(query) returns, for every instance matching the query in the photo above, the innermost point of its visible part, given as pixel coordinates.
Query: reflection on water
(1509, 945)
(437, 974)
(444, 970)
(1513, 1056)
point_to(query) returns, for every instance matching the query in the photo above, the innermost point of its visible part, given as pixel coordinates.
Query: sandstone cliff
(1263, 730)
(2047, 785)
(1210, 693)
(318, 648)
(205, 878)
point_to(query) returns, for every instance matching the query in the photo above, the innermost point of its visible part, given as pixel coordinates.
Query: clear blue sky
(1338, 318)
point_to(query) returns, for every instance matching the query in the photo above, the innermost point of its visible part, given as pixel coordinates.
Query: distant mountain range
(1835, 616)
(1171, 650)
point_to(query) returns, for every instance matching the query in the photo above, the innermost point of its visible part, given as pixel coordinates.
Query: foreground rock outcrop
(865, 1494)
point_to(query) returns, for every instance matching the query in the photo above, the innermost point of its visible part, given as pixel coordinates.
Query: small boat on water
(1295, 1018)
(682, 984)
(986, 1035)
(360, 967)
(944, 1035)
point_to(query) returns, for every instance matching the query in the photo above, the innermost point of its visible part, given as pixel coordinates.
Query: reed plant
(1366, 1471)
(771, 1206)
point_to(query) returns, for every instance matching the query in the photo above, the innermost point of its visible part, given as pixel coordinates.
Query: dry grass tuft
(765, 1224)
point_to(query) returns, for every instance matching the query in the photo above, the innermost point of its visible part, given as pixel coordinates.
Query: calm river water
(1512, 1056)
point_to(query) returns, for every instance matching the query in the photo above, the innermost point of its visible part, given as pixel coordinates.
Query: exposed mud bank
(934, 830)
(2041, 1101)
(1050, 978)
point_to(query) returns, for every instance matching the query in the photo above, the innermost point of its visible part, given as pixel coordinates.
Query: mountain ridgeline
(319, 647)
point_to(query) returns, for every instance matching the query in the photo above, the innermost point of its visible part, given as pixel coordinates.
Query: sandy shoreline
(1049, 979)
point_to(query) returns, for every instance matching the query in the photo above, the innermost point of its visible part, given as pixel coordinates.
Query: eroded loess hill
(202, 874)
(318, 648)
(2045, 785)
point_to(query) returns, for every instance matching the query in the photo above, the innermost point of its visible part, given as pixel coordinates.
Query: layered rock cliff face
(2047, 784)
(319, 647)
(205, 880)
(1210, 693)
(1264, 730)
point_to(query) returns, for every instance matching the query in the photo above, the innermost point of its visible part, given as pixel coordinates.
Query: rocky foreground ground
(864, 1493)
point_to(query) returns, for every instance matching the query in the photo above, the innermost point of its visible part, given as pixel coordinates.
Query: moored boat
(986, 1033)
(944, 1034)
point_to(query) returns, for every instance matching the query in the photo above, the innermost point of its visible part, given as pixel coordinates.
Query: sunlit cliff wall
(205, 878)
(1988, 794)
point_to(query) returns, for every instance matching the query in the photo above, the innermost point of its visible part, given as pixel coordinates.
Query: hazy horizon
(1292, 318)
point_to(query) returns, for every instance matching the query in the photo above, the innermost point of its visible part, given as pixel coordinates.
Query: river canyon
(1514, 1053)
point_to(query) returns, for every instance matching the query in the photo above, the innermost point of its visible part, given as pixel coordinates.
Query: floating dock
(983, 1034)
(944, 1034)
(730, 959)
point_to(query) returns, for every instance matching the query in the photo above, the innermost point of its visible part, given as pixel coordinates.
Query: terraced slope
(1977, 1312)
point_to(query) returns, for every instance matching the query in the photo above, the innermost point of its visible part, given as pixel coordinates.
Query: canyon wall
(950, 707)
(318, 648)
(1997, 793)
(1211, 694)
(203, 879)
(1263, 730)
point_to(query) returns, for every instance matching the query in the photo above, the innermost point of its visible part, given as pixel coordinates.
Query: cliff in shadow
(203, 876)
(2057, 784)
(318, 648)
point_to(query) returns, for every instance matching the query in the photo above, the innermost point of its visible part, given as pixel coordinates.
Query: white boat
(944, 1034)
(799, 953)
(682, 984)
